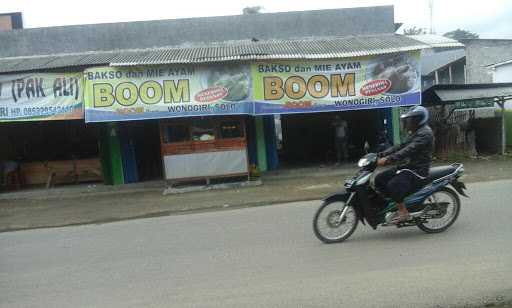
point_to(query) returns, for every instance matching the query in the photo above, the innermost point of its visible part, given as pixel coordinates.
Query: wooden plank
(61, 172)
(35, 173)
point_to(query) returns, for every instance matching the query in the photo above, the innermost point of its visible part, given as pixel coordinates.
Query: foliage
(461, 34)
(414, 31)
(252, 10)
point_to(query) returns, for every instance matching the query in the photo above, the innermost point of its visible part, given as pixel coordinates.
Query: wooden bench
(62, 172)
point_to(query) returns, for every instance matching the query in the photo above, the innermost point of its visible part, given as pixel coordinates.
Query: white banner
(41, 97)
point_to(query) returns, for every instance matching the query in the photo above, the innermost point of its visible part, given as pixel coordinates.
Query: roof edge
(257, 57)
(497, 64)
(245, 52)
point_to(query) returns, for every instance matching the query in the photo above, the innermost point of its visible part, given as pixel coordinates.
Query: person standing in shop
(340, 139)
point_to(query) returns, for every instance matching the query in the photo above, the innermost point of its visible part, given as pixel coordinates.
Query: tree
(414, 31)
(461, 34)
(252, 10)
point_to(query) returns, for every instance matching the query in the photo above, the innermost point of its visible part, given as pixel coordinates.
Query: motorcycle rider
(416, 151)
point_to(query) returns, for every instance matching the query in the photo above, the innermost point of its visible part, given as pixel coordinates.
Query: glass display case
(204, 148)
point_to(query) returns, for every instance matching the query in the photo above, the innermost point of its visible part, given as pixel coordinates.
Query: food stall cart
(204, 148)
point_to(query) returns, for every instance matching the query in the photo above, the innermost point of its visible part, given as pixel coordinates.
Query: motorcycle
(433, 208)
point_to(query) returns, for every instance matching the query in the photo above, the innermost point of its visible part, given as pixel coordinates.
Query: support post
(501, 103)
(270, 142)
(261, 151)
(112, 165)
(395, 116)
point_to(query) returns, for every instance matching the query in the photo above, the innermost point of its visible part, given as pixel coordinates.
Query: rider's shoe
(399, 218)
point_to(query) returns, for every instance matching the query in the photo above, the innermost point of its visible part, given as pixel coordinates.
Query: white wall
(503, 73)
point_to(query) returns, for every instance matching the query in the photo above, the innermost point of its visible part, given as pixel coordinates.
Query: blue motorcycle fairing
(421, 195)
(418, 197)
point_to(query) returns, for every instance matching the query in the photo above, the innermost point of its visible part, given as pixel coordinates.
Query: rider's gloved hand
(382, 161)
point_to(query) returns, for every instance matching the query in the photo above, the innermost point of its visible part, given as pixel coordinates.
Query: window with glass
(176, 133)
(202, 130)
(231, 129)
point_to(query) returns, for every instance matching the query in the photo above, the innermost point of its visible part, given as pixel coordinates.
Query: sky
(489, 18)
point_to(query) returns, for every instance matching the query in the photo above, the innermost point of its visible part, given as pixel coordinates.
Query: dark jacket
(416, 151)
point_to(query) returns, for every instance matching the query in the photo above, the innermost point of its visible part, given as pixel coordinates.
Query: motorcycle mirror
(366, 147)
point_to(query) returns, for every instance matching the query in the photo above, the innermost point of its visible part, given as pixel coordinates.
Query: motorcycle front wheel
(330, 227)
(445, 208)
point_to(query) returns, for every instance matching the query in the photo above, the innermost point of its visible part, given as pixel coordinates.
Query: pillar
(110, 152)
(395, 122)
(270, 142)
(261, 151)
(501, 103)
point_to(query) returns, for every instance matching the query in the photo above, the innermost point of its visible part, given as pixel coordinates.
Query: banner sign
(477, 103)
(335, 85)
(41, 96)
(152, 92)
(137, 93)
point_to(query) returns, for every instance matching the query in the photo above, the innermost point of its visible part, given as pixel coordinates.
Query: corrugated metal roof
(20, 64)
(437, 41)
(449, 93)
(435, 61)
(309, 48)
(469, 94)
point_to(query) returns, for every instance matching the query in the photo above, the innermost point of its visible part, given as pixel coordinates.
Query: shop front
(217, 121)
(313, 96)
(44, 138)
(201, 114)
(311, 139)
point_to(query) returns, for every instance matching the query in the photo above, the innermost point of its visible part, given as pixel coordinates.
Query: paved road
(263, 257)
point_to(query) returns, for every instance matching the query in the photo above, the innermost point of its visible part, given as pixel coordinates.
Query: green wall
(261, 150)
(110, 153)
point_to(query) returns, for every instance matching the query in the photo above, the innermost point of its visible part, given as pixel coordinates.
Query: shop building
(197, 99)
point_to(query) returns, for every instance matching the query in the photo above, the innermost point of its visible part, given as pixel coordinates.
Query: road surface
(263, 257)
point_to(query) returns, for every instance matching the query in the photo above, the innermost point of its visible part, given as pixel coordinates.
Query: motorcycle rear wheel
(327, 226)
(448, 197)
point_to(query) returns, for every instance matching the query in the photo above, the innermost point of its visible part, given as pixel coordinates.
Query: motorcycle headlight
(363, 162)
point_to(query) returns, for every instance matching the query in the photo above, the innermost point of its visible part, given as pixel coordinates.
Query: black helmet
(419, 113)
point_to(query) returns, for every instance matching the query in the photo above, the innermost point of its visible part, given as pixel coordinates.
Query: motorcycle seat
(439, 172)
